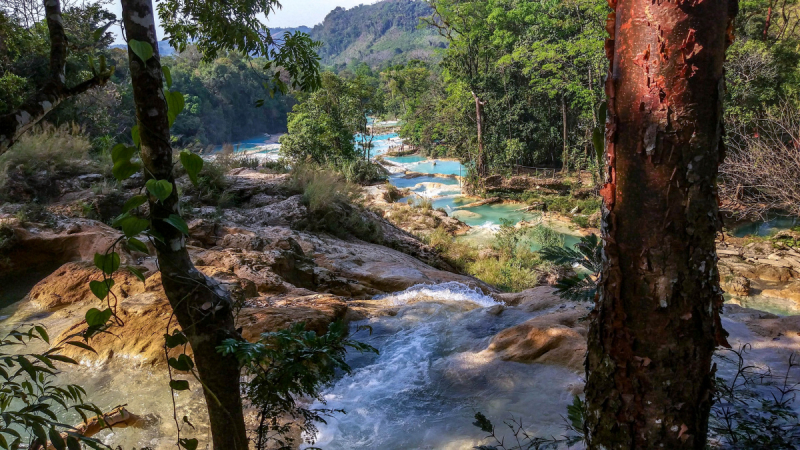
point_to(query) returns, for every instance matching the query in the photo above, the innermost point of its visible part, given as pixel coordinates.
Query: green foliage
(526, 60)
(53, 152)
(288, 365)
(373, 33)
(237, 26)
(329, 199)
(361, 171)
(30, 399)
(522, 439)
(755, 408)
(587, 253)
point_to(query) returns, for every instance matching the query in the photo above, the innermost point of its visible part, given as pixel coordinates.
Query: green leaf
(167, 76)
(57, 440)
(602, 112)
(107, 262)
(179, 385)
(122, 152)
(125, 169)
(192, 163)
(141, 49)
(175, 339)
(64, 359)
(40, 434)
(132, 226)
(134, 202)
(160, 189)
(175, 104)
(188, 444)
(136, 272)
(80, 344)
(135, 135)
(98, 33)
(599, 142)
(73, 444)
(100, 288)
(139, 246)
(96, 318)
(183, 363)
(43, 333)
(91, 63)
(178, 222)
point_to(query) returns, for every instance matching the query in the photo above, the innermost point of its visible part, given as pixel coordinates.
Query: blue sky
(294, 13)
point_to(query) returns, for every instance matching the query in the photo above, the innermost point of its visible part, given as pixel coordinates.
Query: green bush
(362, 172)
(330, 201)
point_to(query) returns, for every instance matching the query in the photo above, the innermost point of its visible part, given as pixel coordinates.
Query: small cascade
(433, 374)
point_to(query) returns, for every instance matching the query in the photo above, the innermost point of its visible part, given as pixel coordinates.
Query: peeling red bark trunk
(656, 322)
(202, 307)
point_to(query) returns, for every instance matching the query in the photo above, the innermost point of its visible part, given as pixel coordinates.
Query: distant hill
(164, 49)
(378, 34)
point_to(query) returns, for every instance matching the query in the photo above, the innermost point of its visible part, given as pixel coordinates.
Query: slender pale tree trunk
(54, 91)
(656, 322)
(565, 151)
(481, 160)
(202, 307)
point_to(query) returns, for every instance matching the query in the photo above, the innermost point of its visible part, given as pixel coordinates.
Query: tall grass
(46, 147)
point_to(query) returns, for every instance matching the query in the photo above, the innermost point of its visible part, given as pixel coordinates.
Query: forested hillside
(377, 34)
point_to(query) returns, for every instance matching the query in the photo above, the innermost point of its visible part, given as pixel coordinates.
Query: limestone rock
(791, 292)
(556, 338)
(70, 284)
(736, 286)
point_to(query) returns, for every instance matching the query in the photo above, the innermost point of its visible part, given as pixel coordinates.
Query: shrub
(46, 150)
(362, 172)
(329, 199)
(285, 366)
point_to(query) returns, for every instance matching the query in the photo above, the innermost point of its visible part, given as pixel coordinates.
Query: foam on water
(452, 291)
(433, 373)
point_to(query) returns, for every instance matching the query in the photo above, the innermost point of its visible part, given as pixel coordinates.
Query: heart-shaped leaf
(188, 444)
(167, 76)
(136, 272)
(125, 169)
(96, 318)
(175, 339)
(132, 225)
(135, 135)
(177, 222)
(183, 363)
(134, 202)
(175, 104)
(107, 262)
(141, 49)
(179, 385)
(160, 189)
(193, 164)
(100, 288)
(122, 152)
(139, 246)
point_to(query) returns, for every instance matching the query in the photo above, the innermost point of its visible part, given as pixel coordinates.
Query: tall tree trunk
(202, 307)
(656, 322)
(54, 91)
(481, 160)
(565, 151)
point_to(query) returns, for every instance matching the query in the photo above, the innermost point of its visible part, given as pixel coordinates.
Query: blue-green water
(484, 219)
(766, 227)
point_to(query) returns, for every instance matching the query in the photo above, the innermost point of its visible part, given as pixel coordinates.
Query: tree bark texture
(656, 322)
(202, 307)
(565, 154)
(16, 123)
(480, 164)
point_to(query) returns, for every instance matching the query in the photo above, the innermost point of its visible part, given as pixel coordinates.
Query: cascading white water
(432, 375)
